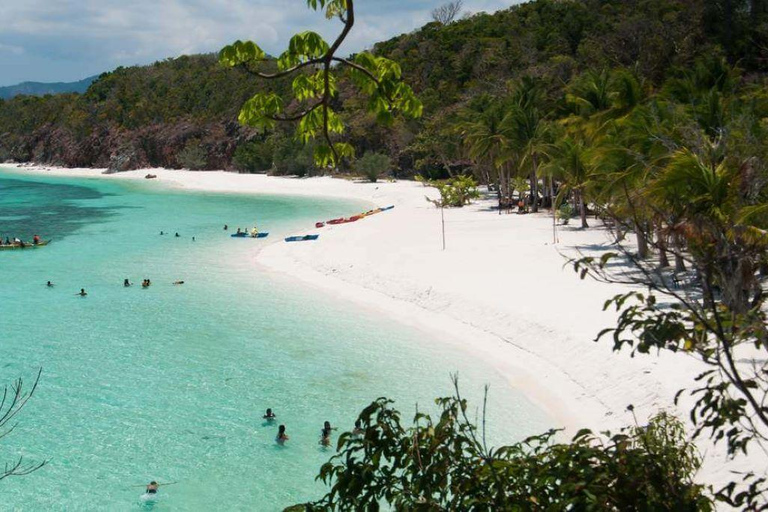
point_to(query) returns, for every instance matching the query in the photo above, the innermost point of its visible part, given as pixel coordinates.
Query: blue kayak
(387, 208)
(247, 235)
(301, 238)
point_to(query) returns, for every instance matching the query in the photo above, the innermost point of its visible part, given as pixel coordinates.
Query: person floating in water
(82, 292)
(49, 284)
(126, 282)
(152, 487)
(282, 437)
(269, 415)
(178, 282)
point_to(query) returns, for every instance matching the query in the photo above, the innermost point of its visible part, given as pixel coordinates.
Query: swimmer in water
(270, 416)
(178, 282)
(226, 227)
(177, 235)
(152, 487)
(49, 284)
(281, 437)
(358, 430)
(126, 282)
(82, 292)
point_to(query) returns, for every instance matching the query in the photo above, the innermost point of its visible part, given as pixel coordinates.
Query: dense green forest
(182, 112)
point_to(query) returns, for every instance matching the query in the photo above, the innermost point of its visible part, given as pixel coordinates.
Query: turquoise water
(169, 383)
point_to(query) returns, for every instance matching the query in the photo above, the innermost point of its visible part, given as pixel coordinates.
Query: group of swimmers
(177, 235)
(145, 283)
(325, 432)
(19, 242)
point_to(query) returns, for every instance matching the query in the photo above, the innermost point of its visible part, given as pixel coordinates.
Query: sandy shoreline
(501, 290)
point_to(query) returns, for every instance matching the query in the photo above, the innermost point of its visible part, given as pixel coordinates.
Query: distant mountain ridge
(42, 88)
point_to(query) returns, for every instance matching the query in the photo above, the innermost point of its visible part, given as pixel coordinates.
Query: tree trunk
(582, 210)
(534, 192)
(679, 261)
(663, 258)
(642, 241)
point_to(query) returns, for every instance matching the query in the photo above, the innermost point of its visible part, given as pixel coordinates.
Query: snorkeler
(270, 416)
(281, 437)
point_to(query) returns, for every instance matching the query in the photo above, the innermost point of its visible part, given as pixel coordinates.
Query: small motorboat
(24, 245)
(302, 238)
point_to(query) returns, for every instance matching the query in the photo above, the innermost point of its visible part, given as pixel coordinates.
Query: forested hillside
(183, 112)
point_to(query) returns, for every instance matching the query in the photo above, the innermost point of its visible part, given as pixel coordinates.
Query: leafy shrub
(373, 166)
(254, 156)
(292, 158)
(193, 156)
(565, 212)
(444, 464)
(457, 191)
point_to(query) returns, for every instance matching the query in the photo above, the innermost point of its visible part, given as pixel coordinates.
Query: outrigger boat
(243, 234)
(24, 245)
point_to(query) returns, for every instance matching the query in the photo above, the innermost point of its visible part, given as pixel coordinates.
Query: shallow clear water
(169, 383)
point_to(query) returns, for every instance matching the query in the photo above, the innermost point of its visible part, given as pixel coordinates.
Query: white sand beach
(501, 290)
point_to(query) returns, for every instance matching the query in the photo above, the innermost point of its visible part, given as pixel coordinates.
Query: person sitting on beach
(152, 487)
(270, 416)
(126, 282)
(82, 292)
(49, 284)
(282, 437)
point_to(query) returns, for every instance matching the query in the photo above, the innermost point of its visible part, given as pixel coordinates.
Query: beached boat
(302, 238)
(248, 235)
(25, 245)
(319, 224)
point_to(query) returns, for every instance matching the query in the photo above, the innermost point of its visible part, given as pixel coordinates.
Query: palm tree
(570, 164)
(488, 143)
(527, 131)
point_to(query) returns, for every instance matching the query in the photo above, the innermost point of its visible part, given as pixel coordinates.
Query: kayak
(26, 245)
(319, 224)
(387, 208)
(248, 235)
(301, 238)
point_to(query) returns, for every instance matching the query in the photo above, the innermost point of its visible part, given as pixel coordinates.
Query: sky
(68, 40)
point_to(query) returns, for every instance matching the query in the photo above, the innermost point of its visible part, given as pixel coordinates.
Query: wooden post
(442, 219)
